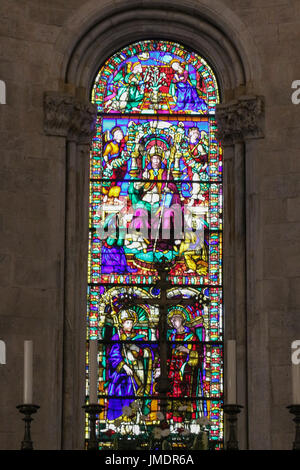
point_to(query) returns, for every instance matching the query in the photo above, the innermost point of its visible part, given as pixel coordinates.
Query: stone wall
(33, 179)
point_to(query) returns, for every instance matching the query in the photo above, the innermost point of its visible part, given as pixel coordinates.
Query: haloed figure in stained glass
(185, 91)
(130, 84)
(155, 199)
(160, 185)
(135, 87)
(129, 365)
(185, 361)
(197, 149)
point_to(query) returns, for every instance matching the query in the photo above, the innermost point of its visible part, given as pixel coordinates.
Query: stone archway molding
(98, 29)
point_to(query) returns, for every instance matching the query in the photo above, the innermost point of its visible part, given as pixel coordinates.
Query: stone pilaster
(74, 120)
(238, 122)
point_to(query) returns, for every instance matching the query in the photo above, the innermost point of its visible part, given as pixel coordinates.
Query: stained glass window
(156, 199)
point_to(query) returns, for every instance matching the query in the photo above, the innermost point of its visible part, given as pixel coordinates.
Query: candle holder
(232, 411)
(295, 410)
(92, 411)
(27, 410)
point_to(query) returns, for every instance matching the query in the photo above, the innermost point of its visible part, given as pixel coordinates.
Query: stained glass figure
(156, 197)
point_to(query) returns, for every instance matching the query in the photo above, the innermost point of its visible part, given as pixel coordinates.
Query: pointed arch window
(156, 197)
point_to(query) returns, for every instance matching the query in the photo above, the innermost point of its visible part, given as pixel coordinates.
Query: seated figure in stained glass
(155, 200)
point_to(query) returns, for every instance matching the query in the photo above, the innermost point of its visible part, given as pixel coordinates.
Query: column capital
(66, 116)
(240, 120)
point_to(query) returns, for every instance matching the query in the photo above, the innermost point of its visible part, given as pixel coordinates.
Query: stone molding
(207, 26)
(240, 120)
(66, 116)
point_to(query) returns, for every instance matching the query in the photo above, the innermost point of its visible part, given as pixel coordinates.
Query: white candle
(296, 383)
(231, 372)
(28, 358)
(93, 370)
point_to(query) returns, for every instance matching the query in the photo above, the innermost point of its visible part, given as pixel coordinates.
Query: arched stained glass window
(155, 249)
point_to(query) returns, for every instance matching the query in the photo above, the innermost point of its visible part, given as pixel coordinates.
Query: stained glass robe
(139, 357)
(184, 368)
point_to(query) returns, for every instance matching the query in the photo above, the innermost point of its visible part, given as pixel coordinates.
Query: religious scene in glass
(155, 248)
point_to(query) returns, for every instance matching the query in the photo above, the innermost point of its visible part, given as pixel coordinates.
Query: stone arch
(92, 34)
(96, 31)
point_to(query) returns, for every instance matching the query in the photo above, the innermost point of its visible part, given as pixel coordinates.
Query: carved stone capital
(240, 120)
(83, 122)
(58, 109)
(68, 117)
